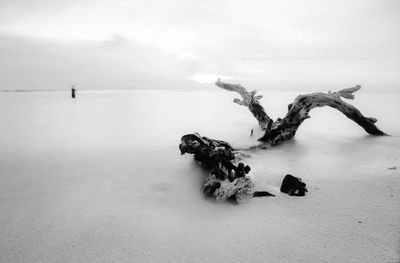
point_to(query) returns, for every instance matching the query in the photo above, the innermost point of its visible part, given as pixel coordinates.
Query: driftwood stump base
(226, 181)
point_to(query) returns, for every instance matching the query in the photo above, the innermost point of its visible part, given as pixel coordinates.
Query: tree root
(227, 180)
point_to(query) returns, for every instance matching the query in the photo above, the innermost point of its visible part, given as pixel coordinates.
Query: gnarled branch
(284, 129)
(251, 101)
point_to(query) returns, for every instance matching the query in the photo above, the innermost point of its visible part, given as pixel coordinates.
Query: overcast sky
(119, 44)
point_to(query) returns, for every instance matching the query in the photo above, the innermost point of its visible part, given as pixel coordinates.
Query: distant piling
(73, 92)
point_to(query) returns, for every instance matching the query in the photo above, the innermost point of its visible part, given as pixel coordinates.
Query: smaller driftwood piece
(228, 178)
(292, 185)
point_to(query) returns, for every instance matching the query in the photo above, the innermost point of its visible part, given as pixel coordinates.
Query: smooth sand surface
(100, 179)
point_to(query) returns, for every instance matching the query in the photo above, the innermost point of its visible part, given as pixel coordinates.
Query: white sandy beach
(101, 179)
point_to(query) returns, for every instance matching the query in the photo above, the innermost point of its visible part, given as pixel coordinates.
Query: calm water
(109, 160)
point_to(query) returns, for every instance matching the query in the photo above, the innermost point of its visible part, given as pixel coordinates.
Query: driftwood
(284, 129)
(227, 180)
(251, 101)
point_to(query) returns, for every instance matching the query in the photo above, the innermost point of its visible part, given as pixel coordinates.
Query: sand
(100, 179)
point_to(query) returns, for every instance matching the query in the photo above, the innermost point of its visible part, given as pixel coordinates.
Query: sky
(187, 44)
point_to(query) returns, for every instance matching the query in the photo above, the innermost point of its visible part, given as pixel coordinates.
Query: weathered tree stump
(226, 181)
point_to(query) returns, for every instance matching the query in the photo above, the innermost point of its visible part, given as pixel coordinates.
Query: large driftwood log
(284, 129)
(227, 180)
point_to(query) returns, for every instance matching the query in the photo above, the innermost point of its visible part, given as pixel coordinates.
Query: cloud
(207, 78)
(286, 41)
(114, 40)
(34, 64)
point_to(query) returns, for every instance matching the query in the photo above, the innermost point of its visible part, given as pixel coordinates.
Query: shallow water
(101, 178)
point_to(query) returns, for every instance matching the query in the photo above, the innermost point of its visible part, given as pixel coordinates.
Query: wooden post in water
(73, 92)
